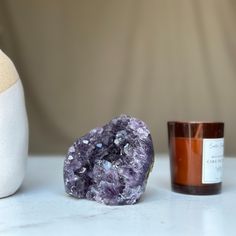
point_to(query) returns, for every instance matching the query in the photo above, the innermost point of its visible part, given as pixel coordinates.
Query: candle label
(212, 160)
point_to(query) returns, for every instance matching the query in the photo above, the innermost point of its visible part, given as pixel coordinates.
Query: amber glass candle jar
(196, 152)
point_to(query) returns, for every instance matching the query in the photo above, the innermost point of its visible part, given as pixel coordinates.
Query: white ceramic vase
(13, 129)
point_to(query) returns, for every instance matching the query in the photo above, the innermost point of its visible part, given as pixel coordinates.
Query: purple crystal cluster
(110, 164)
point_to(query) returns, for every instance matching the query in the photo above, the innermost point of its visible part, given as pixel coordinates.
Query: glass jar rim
(195, 122)
(195, 129)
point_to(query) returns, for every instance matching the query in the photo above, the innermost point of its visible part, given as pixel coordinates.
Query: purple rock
(110, 164)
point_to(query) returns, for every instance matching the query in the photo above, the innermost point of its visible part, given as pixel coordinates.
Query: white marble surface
(41, 207)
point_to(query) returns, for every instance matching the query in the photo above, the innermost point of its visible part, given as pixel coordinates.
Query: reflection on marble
(41, 207)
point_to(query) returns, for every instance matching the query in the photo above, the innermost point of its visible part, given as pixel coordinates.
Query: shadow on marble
(228, 187)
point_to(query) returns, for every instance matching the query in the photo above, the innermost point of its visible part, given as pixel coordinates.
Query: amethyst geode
(110, 164)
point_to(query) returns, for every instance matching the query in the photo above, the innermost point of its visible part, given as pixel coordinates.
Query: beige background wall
(83, 62)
